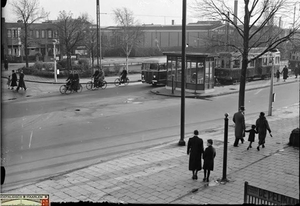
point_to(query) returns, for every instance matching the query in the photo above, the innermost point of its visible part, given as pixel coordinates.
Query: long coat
(14, 79)
(21, 81)
(285, 72)
(262, 126)
(208, 156)
(252, 133)
(195, 150)
(239, 120)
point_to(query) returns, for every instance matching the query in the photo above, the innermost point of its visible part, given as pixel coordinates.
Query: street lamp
(271, 97)
(54, 54)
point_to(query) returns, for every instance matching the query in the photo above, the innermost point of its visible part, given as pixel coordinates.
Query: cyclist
(75, 82)
(69, 80)
(96, 78)
(123, 76)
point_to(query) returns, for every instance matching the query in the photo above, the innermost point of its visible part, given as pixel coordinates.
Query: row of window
(15, 33)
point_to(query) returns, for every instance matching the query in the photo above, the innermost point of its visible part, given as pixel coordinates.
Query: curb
(214, 95)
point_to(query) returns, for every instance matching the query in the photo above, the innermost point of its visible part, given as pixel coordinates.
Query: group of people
(284, 72)
(12, 81)
(260, 127)
(196, 151)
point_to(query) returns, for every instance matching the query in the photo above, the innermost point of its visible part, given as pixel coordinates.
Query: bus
(154, 72)
(228, 65)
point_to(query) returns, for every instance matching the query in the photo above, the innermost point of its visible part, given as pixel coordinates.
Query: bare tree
(71, 33)
(90, 41)
(257, 29)
(29, 12)
(129, 33)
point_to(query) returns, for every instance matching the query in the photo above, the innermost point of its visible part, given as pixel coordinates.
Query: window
(15, 33)
(9, 33)
(37, 34)
(265, 61)
(43, 34)
(49, 34)
(55, 34)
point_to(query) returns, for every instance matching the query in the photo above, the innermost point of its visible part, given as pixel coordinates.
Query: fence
(255, 195)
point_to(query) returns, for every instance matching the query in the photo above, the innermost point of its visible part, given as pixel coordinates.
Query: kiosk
(199, 71)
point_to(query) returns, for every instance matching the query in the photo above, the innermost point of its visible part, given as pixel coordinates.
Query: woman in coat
(262, 126)
(208, 156)
(195, 150)
(285, 73)
(21, 81)
(14, 79)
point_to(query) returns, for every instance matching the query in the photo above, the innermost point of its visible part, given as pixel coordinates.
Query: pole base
(223, 180)
(181, 142)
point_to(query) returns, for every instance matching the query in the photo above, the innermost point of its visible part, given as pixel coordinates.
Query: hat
(262, 114)
(196, 132)
(210, 141)
(242, 108)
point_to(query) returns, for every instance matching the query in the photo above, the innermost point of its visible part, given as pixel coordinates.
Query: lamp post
(54, 55)
(271, 97)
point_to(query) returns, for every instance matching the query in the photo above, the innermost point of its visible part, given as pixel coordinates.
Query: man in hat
(239, 120)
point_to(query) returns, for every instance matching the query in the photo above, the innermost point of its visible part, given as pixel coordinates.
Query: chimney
(235, 11)
(173, 22)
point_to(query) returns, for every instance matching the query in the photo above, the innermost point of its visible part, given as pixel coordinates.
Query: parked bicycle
(100, 84)
(118, 81)
(67, 89)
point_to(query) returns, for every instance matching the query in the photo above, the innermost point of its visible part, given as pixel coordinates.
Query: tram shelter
(199, 71)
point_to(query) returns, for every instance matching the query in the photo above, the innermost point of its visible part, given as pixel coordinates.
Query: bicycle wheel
(89, 85)
(117, 82)
(126, 82)
(79, 88)
(104, 85)
(62, 89)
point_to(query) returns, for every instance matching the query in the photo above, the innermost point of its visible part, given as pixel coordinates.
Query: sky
(145, 11)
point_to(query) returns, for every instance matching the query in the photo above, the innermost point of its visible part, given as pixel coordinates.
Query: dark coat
(21, 81)
(262, 126)
(239, 120)
(195, 150)
(208, 156)
(285, 72)
(14, 79)
(252, 133)
(278, 74)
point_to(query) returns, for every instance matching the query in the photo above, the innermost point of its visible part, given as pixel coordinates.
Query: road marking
(30, 139)
(258, 91)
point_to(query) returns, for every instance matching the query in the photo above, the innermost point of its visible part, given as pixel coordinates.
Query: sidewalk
(160, 174)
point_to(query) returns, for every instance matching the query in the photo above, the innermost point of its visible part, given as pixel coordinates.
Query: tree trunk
(245, 57)
(127, 63)
(26, 46)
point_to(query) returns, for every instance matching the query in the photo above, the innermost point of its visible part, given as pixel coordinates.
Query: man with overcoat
(14, 79)
(239, 131)
(285, 72)
(195, 149)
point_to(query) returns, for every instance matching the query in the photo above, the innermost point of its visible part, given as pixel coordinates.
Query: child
(8, 82)
(208, 156)
(251, 137)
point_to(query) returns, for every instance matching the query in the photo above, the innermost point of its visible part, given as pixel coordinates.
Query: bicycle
(66, 89)
(118, 81)
(91, 85)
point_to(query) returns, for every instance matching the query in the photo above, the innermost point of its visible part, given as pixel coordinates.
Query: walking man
(14, 79)
(239, 120)
(21, 81)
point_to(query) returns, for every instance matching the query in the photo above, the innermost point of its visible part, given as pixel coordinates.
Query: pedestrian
(208, 157)
(297, 71)
(285, 72)
(14, 79)
(278, 75)
(262, 126)
(76, 82)
(251, 137)
(6, 64)
(239, 120)
(21, 81)
(8, 82)
(195, 150)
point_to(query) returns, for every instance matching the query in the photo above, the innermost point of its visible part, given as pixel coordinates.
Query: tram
(154, 72)
(229, 64)
(294, 62)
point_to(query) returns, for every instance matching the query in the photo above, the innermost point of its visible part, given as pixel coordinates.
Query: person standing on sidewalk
(285, 72)
(14, 79)
(251, 137)
(195, 150)
(278, 75)
(208, 156)
(239, 120)
(262, 126)
(21, 81)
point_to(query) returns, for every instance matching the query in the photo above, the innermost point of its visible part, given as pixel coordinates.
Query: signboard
(268, 196)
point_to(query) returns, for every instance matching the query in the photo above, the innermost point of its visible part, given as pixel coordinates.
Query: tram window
(222, 63)
(228, 63)
(265, 60)
(153, 66)
(251, 64)
(236, 63)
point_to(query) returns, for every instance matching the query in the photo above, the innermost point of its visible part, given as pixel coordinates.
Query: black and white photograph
(150, 102)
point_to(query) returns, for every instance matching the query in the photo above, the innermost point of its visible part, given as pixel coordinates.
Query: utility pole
(271, 97)
(54, 55)
(182, 122)
(98, 14)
